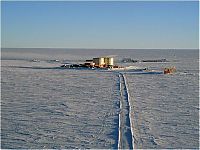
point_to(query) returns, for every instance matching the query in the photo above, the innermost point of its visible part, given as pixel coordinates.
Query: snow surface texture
(59, 109)
(125, 140)
(165, 110)
(46, 107)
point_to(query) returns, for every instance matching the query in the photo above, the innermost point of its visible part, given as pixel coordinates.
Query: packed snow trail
(125, 139)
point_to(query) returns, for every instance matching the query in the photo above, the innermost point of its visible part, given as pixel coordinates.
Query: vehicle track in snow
(125, 138)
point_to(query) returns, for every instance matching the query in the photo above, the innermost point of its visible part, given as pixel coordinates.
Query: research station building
(103, 61)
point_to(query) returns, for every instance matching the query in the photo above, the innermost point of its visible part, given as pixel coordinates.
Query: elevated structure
(99, 62)
(109, 61)
(103, 62)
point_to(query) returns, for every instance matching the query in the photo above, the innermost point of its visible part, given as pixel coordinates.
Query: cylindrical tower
(110, 61)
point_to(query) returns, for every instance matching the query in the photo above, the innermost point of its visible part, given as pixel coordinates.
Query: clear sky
(131, 24)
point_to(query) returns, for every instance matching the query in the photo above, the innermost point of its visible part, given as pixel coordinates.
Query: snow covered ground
(46, 107)
(165, 110)
(59, 108)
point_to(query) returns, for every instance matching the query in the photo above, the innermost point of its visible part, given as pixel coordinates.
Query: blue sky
(131, 24)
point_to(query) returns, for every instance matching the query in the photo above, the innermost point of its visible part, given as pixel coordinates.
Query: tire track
(125, 135)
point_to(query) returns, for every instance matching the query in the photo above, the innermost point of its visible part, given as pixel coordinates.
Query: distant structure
(98, 62)
(103, 62)
(170, 70)
(107, 63)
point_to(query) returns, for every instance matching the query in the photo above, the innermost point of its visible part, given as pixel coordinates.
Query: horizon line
(100, 48)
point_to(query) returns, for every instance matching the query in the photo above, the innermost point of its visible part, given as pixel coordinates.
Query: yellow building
(103, 61)
(99, 61)
(109, 61)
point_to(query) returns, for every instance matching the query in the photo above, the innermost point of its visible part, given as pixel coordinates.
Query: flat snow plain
(53, 108)
(43, 107)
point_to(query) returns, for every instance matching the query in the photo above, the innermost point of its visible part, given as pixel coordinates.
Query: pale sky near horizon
(114, 24)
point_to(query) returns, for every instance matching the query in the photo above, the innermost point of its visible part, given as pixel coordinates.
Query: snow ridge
(130, 108)
(120, 107)
(125, 136)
